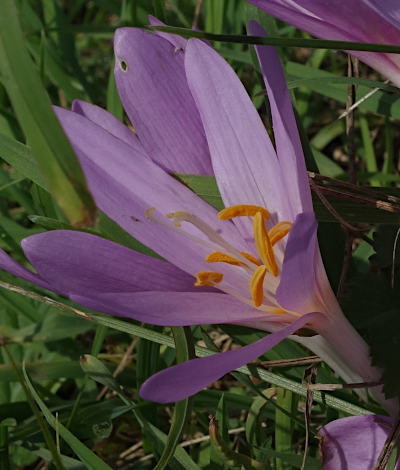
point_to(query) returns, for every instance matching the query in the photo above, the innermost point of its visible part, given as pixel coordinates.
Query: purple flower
(376, 21)
(354, 443)
(256, 263)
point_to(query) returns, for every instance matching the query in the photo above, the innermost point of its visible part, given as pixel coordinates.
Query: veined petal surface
(244, 161)
(172, 308)
(296, 290)
(149, 73)
(126, 185)
(11, 266)
(109, 122)
(287, 140)
(79, 262)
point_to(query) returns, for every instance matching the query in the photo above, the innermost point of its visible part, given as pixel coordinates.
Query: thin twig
(309, 378)
(394, 257)
(46, 300)
(332, 387)
(197, 13)
(352, 70)
(126, 358)
(198, 440)
(348, 252)
(354, 188)
(360, 101)
(350, 228)
(298, 361)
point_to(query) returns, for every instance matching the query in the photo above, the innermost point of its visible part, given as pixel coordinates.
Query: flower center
(264, 241)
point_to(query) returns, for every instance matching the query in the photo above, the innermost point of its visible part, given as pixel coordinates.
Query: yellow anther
(263, 245)
(256, 285)
(208, 278)
(250, 257)
(219, 257)
(278, 231)
(243, 210)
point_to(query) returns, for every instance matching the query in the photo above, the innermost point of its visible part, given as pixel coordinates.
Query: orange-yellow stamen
(219, 257)
(256, 285)
(243, 210)
(208, 278)
(250, 257)
(263, 245)
(278, 231)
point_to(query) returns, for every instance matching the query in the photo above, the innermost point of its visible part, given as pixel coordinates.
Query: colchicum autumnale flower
(354, 443)
(376, 21)
(256, 263)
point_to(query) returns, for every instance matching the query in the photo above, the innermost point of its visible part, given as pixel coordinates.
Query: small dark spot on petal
(123, 65)
(135, 219)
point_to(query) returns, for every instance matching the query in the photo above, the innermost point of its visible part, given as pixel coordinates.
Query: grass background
(68, 384)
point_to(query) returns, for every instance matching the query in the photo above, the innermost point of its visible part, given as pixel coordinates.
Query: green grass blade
(369, 152)
(41, 422)
(31, 103)
(283, 426)
(184, 352)
(21, 158)
(130, 328)
(84, 453)
(274, 41)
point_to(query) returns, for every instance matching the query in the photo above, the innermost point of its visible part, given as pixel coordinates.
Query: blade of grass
(131, 328)
(283, 425)
(184, 352)
(281, 41)
(369, 152)
(31, 103)
(42, 423)
(84, 453)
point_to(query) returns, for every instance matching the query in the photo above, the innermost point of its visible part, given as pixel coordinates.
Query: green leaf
(206, 187)
(49, 144)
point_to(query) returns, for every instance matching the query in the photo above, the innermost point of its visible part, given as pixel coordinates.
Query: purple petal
(296, 288)
(125, 185)
(108, 122)
(183, 380)
(12, 267)
(287, 140)
(79, 262)
(244, 161)
(157, 99)
(177, 41)
(388, 9)
(172, 308)
(345, 22)
(355, 442)
(356, 17)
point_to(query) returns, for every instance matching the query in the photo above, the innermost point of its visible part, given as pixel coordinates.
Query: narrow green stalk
(38, 415)
(289, 42)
